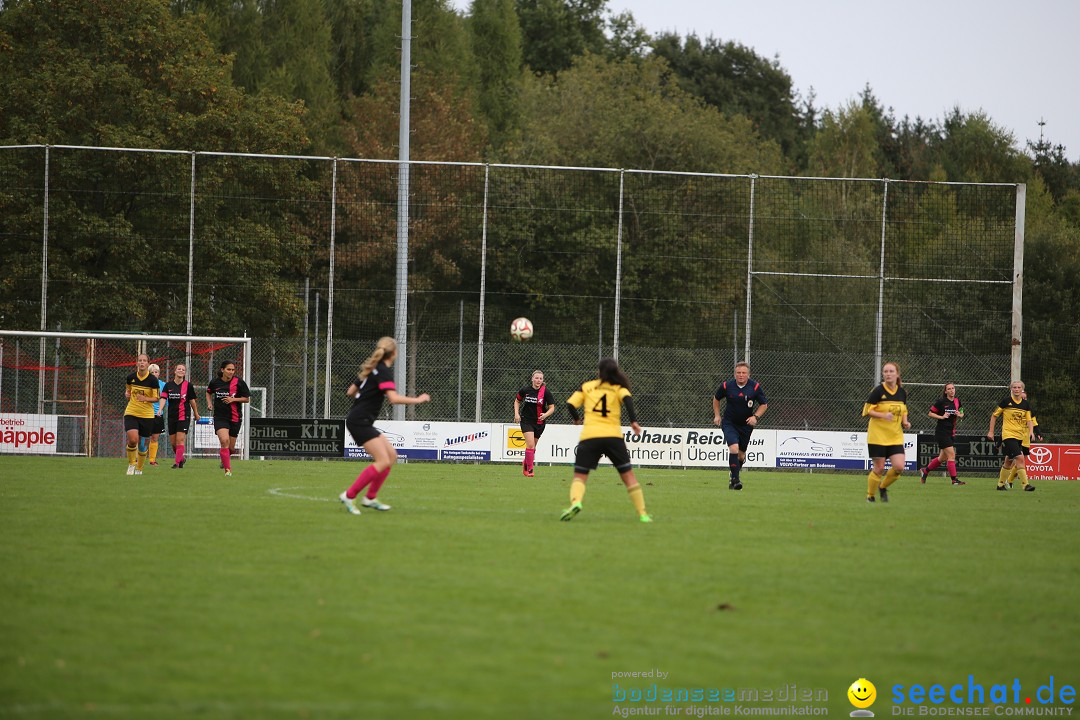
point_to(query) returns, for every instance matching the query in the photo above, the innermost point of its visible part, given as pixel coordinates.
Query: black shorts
(159, 424)
(588, 452)
(737, 434)
(884, 451)
(1026, 449)
(361, 432)
(232, 427)
(145, 426)
(1012, 447)
(176, 426)
(944, 440)
(536, 430)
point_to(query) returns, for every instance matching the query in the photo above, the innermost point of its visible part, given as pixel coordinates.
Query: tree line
(551, 82)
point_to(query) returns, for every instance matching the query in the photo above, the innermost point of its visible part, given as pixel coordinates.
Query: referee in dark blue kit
(746, 404)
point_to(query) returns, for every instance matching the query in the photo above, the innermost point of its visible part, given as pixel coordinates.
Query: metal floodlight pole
(401, 305)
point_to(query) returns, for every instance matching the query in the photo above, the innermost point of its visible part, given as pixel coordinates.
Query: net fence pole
(307, 345)
(88, 392)
(1018, 282)
(600, 334)
(44, 282)
(190, 262)
(881, 285)
(315, 359)
(483, 292)
(330, 291)
(749, 270)
(247, 416)
(460, 353)
(618, 270)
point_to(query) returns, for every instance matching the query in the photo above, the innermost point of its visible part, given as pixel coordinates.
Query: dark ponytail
(611, 374)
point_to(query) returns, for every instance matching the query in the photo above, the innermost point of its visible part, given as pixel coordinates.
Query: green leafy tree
(1054, 168)
(974, 149)
(626, 38)
(737, 81)
(556, 32)
(846, 144)
(350, 24)
(130, 74)
(283, 47)
(632, 114)
(496, 44)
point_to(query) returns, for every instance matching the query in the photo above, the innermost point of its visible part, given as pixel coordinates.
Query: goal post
(65, 390)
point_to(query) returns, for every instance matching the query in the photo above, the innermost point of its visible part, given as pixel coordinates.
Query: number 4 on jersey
(601, 407)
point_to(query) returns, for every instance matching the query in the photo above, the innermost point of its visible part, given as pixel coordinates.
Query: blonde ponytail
(385, 349)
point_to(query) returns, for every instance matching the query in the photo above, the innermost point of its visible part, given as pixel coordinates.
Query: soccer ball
(521, 329)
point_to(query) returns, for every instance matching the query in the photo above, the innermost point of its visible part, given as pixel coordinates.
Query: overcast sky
(1018, 61)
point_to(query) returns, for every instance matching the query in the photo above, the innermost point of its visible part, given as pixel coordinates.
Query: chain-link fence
(814, 280)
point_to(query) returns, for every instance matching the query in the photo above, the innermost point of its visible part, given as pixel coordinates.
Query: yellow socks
(873, 482)
(141, 461)
(153, 450)
(1013, 473)
(1022, 474)
(638, 498)
(131, 450)
(1003, 476)
(577, 491)
(891, 476)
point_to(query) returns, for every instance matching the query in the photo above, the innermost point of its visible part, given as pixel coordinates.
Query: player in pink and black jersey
(533, 405)
(183, 410)
(947, 410)
(374, 383)
(226, 394)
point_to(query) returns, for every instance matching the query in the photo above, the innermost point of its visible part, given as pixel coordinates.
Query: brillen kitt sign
(292, 437)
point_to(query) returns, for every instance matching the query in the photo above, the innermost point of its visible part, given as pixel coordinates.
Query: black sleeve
(628, 403)
(573, 411)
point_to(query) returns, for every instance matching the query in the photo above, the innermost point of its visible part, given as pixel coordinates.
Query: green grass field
(184, 594)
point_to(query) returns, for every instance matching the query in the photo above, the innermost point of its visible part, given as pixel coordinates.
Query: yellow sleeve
(577, 399)
(623, 393)
(866, 408)
(998, 411)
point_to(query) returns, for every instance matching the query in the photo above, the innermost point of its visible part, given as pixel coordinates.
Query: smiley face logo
(862, 693)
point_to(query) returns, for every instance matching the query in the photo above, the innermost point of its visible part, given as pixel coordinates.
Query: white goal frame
(141, 339)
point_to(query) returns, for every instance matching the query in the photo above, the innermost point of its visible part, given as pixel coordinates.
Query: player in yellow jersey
(1016, 430)
(1025, 447)
(602, 401)
(142, 392)
(887, 409)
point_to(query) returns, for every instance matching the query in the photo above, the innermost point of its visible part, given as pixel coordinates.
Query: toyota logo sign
(1041, 455)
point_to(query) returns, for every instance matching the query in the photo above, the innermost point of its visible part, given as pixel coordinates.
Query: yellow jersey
(602, 405)
(1015, 414)
(142, 387)
(886, 432)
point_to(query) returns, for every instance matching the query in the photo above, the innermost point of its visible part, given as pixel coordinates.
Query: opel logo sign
(1041, 455)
